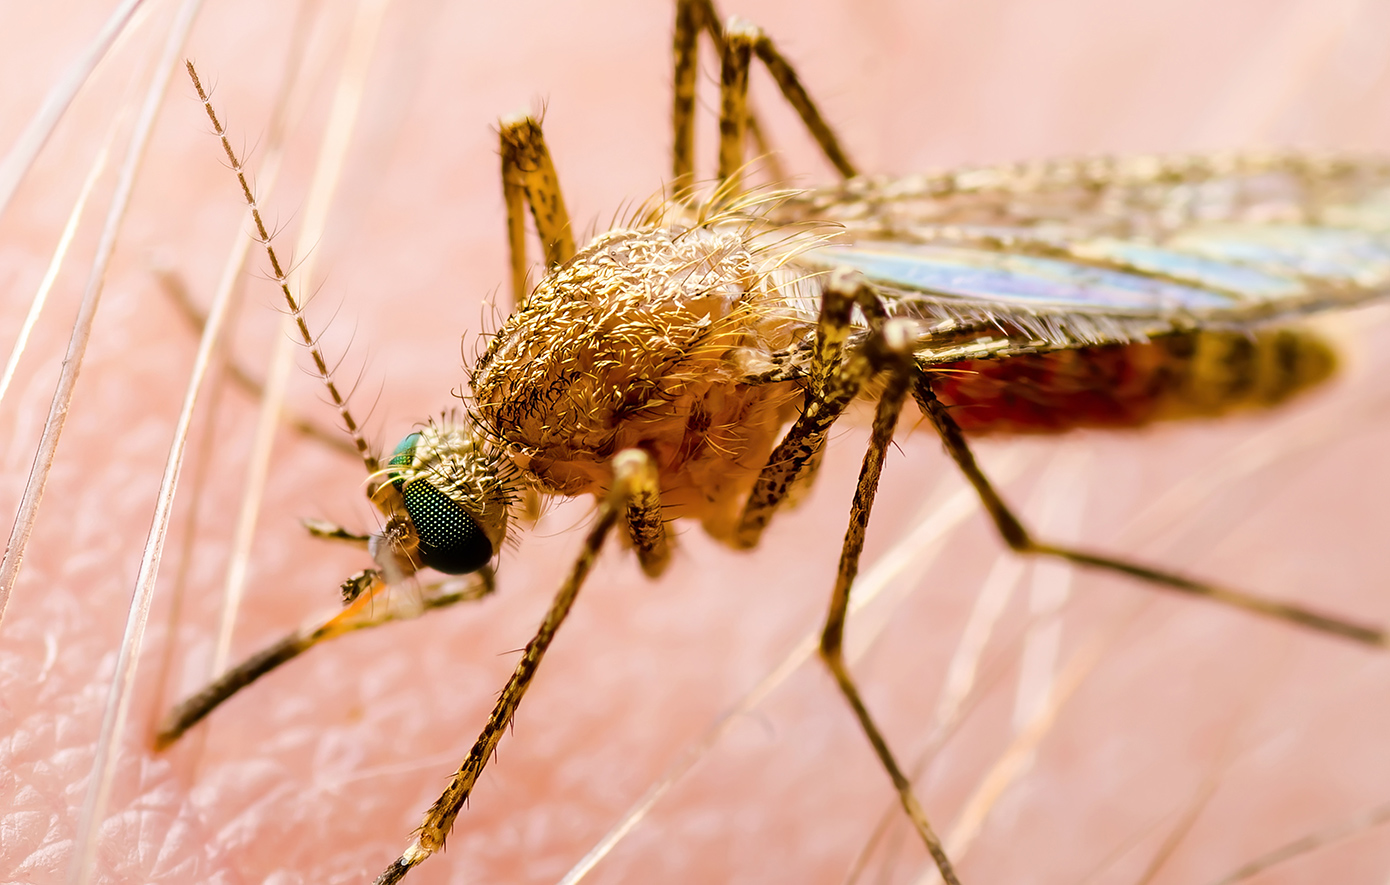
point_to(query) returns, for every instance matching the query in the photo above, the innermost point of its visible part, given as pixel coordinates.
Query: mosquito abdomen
(1199, 374)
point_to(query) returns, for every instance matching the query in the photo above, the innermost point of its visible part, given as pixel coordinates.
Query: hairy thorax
(646, 339)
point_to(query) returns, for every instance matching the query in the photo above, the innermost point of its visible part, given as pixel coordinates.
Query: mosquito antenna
(282, 278)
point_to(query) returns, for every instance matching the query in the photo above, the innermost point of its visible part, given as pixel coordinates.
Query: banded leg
(634, 477)
(528, 177)
(690, 20)
(367, 608)
(735, 45)
(1020, 540)
(835, 379)
(892, 353)
(645, 525)
(734, 63)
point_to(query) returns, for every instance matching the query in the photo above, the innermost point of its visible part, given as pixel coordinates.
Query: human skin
(319, 772)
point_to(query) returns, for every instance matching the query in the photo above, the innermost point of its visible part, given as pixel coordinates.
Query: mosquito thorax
(455, 495)
(643, 340)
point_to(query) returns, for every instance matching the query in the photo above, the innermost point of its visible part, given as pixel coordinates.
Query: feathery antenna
(296, 311)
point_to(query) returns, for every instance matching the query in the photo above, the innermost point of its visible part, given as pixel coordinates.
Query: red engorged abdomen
(1198, 374)
(1114, 386)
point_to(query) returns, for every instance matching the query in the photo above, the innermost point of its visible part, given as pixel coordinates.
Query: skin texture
(318, 773)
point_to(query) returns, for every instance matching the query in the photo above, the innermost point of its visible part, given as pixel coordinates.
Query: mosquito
(536, 706)
(691, 365)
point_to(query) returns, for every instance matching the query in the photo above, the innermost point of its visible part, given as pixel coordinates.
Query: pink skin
(319, 772)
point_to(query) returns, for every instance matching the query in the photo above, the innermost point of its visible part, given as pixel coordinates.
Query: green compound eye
(450, 540)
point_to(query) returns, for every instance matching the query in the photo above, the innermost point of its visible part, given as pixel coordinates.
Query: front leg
(633, 491)
(736, 44)
(529, 178)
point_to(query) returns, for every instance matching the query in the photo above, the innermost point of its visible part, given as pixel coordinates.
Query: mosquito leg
(737, 55)
(895, 357)
(1019, 539)
(367, 609)
(693, 16)
(690, 18)
(797, 96)
(644, 523)
(632, 471)
(834, 380)
(514, 196)
(782, 73)
(529, 173)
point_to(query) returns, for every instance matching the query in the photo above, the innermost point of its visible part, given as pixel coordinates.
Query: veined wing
(1045, 256)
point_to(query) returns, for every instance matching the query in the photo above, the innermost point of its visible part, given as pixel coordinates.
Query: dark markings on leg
(797, 96)
(899, 369)
(739, 38)
(1018, 538)
(836, 377)
(643, 516)
(685, 54)
(692, 16)
(632, 470)
(529, 173)
(514, 198)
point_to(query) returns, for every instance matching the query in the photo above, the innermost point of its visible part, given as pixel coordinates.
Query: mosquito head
(455, 490)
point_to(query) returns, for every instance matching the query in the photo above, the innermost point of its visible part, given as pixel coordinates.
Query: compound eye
(450, 540)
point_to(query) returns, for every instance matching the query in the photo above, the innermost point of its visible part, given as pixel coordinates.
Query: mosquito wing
(1008, 260)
